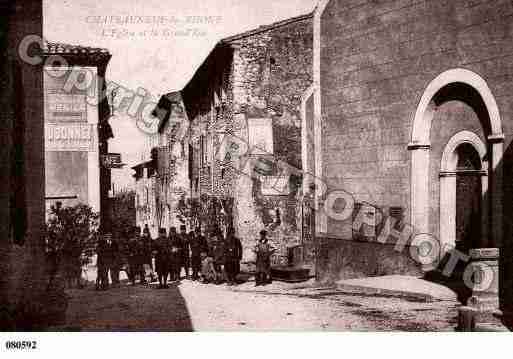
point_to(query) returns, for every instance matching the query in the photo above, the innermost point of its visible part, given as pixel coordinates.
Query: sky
(158, 57)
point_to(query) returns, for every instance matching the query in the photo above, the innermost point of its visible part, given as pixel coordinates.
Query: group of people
(210, 259)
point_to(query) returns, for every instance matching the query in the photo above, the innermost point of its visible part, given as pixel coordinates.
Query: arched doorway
(464, 193)
(468, 87)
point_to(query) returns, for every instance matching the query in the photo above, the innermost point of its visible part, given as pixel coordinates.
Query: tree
(209, 211)
(70, 239)
(189, 211)
(123, 212)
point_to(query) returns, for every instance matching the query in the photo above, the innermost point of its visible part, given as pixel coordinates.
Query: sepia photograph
(255, 166)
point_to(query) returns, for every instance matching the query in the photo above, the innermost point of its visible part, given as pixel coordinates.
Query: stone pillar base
(482, 273)
(482, 276)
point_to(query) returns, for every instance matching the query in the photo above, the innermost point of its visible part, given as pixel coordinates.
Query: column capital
(419, 146)
(496, 138)
(447, 174)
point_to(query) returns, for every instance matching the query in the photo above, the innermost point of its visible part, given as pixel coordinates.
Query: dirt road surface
(192, 306)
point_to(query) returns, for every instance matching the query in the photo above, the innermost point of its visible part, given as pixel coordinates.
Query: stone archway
(469, 87)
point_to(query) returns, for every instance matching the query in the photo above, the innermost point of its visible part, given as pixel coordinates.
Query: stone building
(145, 185)
(76, 127)
(243, 105)
(410, 117)
(162, 181)
(173, 182)
(26, 298)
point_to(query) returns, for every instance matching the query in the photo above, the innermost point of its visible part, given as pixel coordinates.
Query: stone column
(496, 190)
(483, 269)
(485, 210)
(420, 187)
(447, 211)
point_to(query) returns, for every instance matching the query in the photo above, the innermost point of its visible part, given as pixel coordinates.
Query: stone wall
(376, 61)
(27, 301)
(343, 259)
(172, 178)
(261, 74)
(272, 70)
(208, 103)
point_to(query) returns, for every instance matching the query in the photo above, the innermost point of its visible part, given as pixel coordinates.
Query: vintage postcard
(251, 166)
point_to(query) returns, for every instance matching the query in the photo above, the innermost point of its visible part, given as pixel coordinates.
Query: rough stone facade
(248, 91)
(376, 61)
(172, 175)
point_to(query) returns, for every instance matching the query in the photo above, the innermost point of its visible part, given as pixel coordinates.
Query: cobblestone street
(279, 306)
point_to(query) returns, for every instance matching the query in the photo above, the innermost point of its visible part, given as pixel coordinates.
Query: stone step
(490, 327)
(290, 273)
(398, 286)
(472, 319)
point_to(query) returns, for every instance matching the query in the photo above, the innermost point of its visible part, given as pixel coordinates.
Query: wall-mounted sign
(70, 137)
(275, 185)
(112, 160)
(63, 107)
(63, 104)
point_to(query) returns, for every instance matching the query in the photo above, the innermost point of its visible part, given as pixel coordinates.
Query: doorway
(468, 198)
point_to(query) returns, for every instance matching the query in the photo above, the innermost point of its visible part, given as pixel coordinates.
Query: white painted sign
(70, 137)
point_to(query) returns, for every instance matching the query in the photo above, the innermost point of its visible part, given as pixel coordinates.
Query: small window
(468, 158)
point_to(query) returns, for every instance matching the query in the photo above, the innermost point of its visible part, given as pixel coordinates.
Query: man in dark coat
(102, 264)
(146, 229)
(147, 257)
(124, 239)
(185, 260)
(218, 255)
(162, 258)
(135, 256)
(197, 245)
(175, 257)
(263, 251)
(232, 255)
(115, 266)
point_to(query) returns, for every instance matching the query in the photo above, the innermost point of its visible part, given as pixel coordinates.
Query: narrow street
(192, 306)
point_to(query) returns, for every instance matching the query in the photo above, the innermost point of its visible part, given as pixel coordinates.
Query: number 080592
(20, 345)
